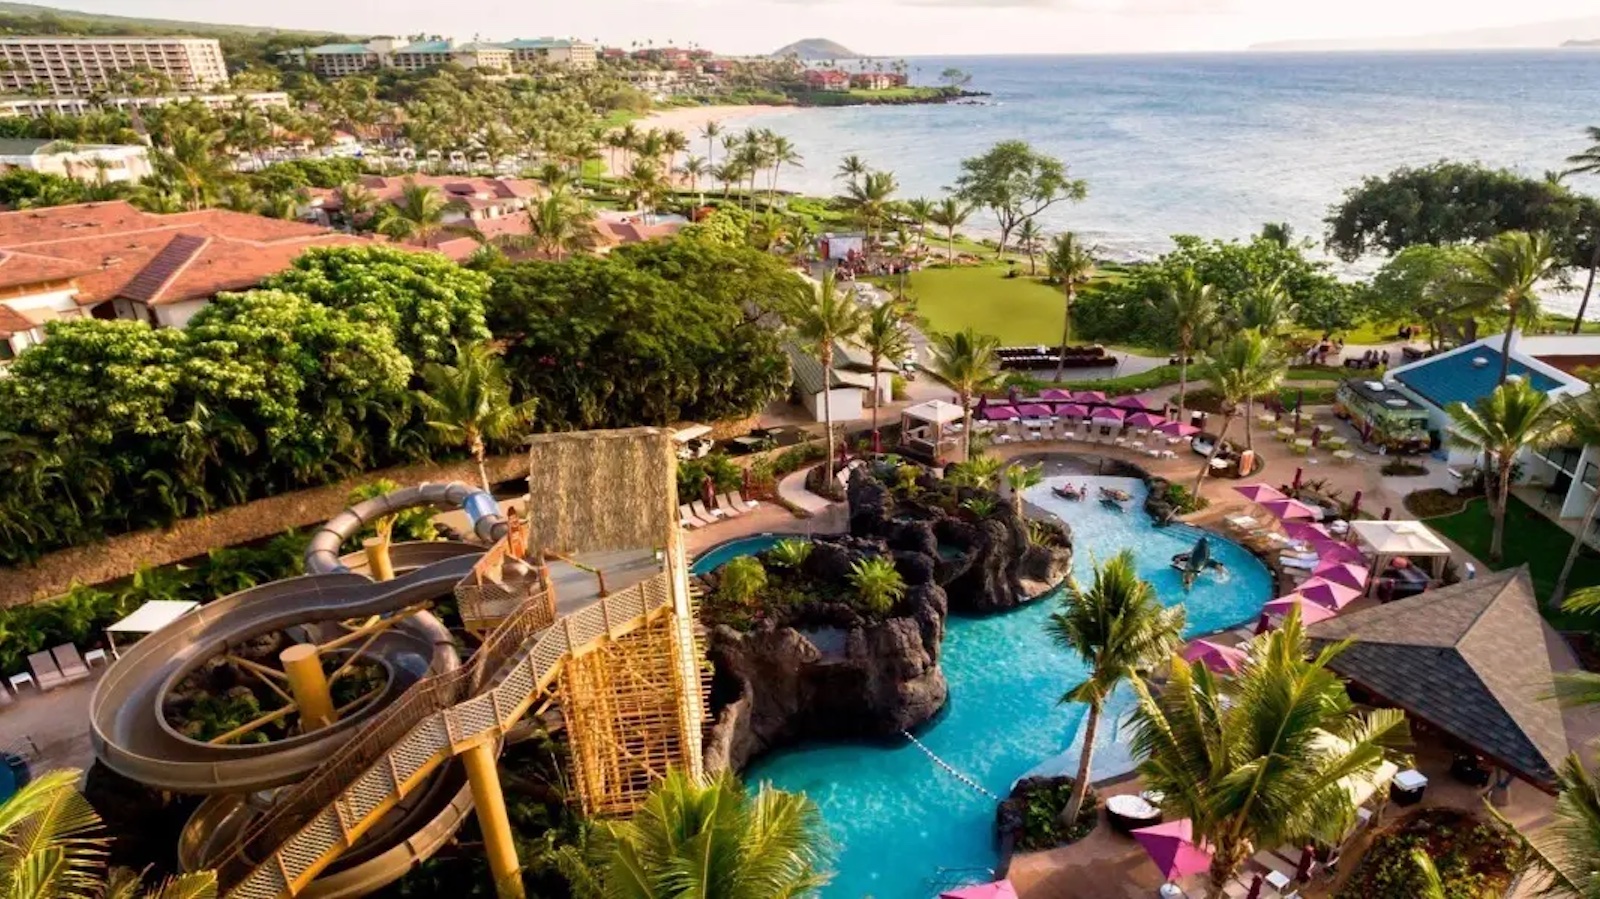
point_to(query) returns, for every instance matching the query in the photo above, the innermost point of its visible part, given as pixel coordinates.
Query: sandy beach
(690, 119)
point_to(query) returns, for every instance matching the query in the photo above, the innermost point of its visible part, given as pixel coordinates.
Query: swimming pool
(903, 828)
(723, 553)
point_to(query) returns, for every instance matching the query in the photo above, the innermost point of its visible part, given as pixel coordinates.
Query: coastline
(690, 119)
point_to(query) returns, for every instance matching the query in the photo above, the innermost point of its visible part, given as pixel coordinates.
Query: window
(7, 352)
(1591, 475)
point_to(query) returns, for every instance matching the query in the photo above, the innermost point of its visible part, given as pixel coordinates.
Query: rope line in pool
(948, 767)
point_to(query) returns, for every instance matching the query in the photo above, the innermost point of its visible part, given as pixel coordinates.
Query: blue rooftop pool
(902, 827)
(1459, 377)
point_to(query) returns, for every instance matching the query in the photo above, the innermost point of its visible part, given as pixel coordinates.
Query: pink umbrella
(999, 413)
(1352, 576)
(1055, 394)
(1288, 509)
(1072, 410)
(1178, 429)
(1134, 403)
(1334, 551)
(1171, 846)
(1091, 397)
(1000, 889)
(1260, 493)
(1145, 420)
(1219, 658)
(1299, 530)
(1035, 410)
(1109, 413)
(1310, 612)
(1326, 593)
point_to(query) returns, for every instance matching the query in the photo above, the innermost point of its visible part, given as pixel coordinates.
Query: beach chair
(709, 516)
(46, 676)
(728, 509)
(736, 501)
(687, 517)
(71, 663)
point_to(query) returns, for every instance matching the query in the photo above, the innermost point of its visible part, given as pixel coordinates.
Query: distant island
(1533, 35)
(815, 49)
(1594, 42)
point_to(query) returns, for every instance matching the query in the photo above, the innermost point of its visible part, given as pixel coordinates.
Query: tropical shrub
(878, 584)
(790, 553)
(1185, 501)
(725, 475)
(742, 580)
(1032, 814)
(1474, 858)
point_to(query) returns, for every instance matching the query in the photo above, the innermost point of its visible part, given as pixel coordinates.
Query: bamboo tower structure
(635, 705)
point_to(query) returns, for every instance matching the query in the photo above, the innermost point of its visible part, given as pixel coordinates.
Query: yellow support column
(377, 550)
(484, 778)
(309, 684)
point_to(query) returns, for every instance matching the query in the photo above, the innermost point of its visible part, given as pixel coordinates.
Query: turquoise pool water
(723, 553)
(903, 828)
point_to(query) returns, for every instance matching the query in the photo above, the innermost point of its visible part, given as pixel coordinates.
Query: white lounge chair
(72, 666)
(46, 676)
(726, 508)
(687, 517)
(735, 500)
(709, 516)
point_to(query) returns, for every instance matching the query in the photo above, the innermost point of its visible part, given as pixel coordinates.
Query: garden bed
(1030, 818)
(1433, 502)
(1474, 857)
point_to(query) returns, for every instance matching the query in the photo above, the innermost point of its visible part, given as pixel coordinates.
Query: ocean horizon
(1215, 144)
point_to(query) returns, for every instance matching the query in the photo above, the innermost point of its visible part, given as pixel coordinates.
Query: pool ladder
(948, 767)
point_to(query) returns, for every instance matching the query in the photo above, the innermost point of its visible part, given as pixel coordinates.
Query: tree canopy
(1016, 182)
(648, 335)
(1456, 202)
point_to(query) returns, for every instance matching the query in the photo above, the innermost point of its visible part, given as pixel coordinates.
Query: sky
(882, 27)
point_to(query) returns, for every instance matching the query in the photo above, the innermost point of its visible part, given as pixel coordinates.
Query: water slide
(132, 736)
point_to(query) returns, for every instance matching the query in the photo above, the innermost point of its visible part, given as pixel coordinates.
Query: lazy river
(902, 827)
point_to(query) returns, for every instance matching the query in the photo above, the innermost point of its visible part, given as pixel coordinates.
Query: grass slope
(1017, 310)
(1531, 539)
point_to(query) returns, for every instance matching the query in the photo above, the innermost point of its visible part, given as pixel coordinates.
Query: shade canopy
(936, 412)
(1000, 413)
(1000, 889)
(1134, 403)
(1178, 429)
(1473, 659)
(1260, 493)
(1305, 530)
(1171, 846)
(1326, 593)
(1219, 658)
(1109, 413)
(1072, 410)
(1289, 510)
(1399, 538)
(1035, 410)
(1091, 397)
(1055, 394)
(153, 616)
(1335, 572)
(1146, 420)
(1310, 612)
(1335, 551)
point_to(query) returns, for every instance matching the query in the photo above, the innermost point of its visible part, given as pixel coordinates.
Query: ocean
(1215, 144)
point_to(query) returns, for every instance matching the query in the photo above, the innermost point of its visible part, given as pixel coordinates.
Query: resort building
(69, 66)
(492, 207)
(1554, 364)
(848, 386)
(111, 260)
(826, 80)
(336, 60)
(91, 163)
(34, 107)
(877, 81)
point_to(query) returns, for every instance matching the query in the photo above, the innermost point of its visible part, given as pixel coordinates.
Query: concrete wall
(121, 556)
(846, 404)
(177, 315)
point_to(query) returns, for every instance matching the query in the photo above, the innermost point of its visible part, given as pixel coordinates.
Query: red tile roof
(478, 192)
(12, 322)
(113, 250)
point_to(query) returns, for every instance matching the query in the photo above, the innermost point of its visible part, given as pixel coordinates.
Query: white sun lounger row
(696, 514)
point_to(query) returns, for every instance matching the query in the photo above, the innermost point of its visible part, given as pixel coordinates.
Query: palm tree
(1563, 858)
(1266, 308)
(1117, 627)
(885, 337)
(950, 213)
(469, 403)
(1020, 477)
(1499, 426)
(781, 152)
(1502, 276)
(713, 840)
(356, 203)
(1028, 236)
(1072, 266)
(869, 198)
(728, 174)
(694, 168)
(921, 210)
(1587, 163)
(826, 317)
(1191, 307)
(193, 160)
(966, 361)
(674, 142)
(710, 130)
(644, 185)
(417, 216)
(851, 168)
(1244, 367)
(1580, 426)
(1263, 758)
(560, 224)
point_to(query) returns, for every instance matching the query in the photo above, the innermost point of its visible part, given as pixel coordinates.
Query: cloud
(1102, 7)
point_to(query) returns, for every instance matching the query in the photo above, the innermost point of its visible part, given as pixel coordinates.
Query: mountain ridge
(172, 26)
(813, 49)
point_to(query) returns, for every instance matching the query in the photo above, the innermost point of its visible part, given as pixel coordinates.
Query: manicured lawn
(1019, 310)
(1531, 539)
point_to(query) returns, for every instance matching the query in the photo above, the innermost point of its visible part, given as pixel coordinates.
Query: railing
(331, 809)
